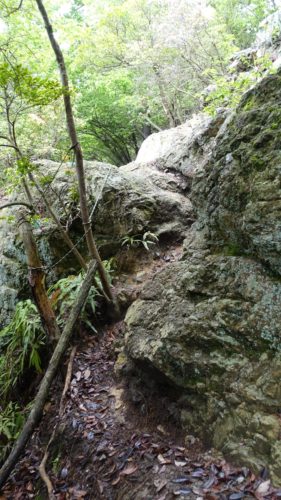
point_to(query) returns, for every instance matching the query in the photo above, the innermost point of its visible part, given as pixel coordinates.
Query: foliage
(20, 344)
(11, 422)
(112, 128)
(64, 292)
(63, 295)
(242, 18)
(138, 67)
(228, 90)
(146, 240)
(23, 96)
(33, 90)
(21, 341)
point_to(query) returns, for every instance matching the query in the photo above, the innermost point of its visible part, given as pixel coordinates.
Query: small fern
(63, 294)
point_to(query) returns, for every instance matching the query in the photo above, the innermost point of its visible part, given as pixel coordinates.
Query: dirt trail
(114, 447)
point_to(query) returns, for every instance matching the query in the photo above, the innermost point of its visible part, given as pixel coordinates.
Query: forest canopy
(135, 66)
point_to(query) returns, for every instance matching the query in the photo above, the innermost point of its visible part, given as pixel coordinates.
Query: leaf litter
(108, 449)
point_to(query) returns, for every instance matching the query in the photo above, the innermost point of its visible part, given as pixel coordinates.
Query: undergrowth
(23, 340)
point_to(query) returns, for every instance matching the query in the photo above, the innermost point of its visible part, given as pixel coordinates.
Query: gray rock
(182, 149)
(210, 325)
(238, 196)
(133, 200)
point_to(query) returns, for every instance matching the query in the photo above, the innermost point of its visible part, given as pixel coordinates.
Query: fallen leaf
(64, 473)
(162, 460)
(79, 494)
(87, 374)
(209, 483)
(101, 487)
(198, 473)
(183, 492)
(180, 463)
(47, 407)
(240, 479)
(236, 496)
(181, 480)
(198, 491)
(130, 469)
(263, 488)
(115, 481)
(159, 484)
(29, 486)
(161, 429)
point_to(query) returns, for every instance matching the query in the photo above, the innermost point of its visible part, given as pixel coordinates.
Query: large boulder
(182, 149)
(127, 200)
(210, 325)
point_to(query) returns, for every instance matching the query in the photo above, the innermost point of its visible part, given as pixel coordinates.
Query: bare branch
(13, 204)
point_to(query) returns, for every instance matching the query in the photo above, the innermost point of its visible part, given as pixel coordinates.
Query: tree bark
(37, 281)
(58, 223)
(41, 397)
(93, 251)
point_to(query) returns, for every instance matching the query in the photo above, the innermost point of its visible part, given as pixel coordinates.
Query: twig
(67, 379)
(45, 477)
(42, 466)
(15, 204)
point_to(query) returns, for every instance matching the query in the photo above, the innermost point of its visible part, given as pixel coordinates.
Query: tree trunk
(37, 281)
(58, 223)
(41, 397)
(93, 251)
(63, 232)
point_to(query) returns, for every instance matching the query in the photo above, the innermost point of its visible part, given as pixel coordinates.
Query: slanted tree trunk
(63, 232)
(41, 397)
(37, 281)
(56, 219)
(93, 251)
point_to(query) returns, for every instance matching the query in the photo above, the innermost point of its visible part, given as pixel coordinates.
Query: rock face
(183, 149)
(210, 325)
(130, 200)
(238, 197)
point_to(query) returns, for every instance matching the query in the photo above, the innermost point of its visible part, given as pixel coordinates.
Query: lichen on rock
(210, 325)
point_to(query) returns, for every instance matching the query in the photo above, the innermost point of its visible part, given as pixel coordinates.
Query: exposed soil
(119, 442)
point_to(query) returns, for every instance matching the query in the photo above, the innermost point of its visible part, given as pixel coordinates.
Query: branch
(16, 9)
(13, 204)
(9, 146)
(42, 394)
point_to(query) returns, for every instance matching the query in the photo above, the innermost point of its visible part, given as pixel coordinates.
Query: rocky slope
(210, 324)
(133, 199)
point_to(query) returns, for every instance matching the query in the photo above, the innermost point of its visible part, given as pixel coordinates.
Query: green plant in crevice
(146, 240)
(20, 344)
(228, 91)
